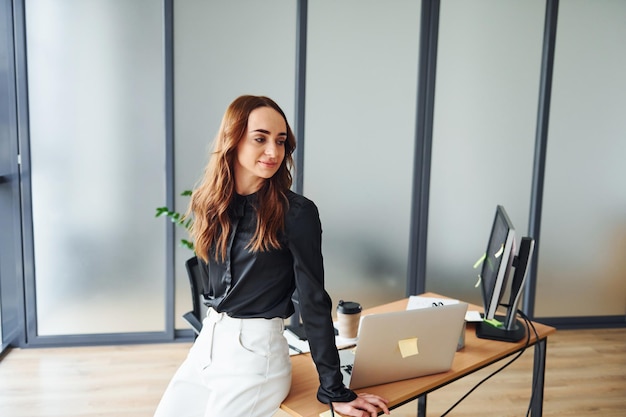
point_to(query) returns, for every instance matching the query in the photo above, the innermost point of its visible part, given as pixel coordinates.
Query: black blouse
(261, 284)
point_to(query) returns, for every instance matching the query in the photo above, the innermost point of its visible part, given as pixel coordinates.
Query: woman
(257, 241)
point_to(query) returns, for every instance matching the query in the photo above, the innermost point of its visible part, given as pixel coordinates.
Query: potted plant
(178, 219)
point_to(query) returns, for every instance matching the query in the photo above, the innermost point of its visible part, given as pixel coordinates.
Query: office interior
(414, 120)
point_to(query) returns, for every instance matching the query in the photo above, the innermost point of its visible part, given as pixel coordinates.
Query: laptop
(403, 345)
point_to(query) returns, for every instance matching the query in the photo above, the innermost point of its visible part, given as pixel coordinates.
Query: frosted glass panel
(221, 53)
(484, 132)
(583, 237)
(97, 153)
(359, 141)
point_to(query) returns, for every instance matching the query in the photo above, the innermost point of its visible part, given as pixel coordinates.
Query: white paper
(297, 346)
(295, 342)
(419, 301)
(473, 316)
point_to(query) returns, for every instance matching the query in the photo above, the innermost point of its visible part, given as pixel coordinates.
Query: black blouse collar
(241, 201)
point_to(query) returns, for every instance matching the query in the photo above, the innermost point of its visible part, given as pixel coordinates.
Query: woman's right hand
(364, 405)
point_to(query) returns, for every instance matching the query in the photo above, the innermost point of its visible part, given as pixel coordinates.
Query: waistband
(223, 319)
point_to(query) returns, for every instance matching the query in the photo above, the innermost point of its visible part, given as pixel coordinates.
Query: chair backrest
(197, 297)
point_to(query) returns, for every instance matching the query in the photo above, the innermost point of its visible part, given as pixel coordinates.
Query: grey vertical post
(168, 19)
(541, 144)
(301, 42)
(427, 68)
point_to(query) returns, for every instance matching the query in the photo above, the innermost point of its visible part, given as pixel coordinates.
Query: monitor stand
(515, 333)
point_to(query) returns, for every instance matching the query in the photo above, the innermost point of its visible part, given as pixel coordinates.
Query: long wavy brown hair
(216, 190)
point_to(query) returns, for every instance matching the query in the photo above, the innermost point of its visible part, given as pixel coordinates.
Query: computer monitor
(520, 263)
(509, 328)
(497, 262)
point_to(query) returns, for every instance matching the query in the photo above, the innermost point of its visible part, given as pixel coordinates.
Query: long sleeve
(305, 240)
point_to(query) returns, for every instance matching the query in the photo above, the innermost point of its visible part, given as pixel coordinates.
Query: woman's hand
(365, 405)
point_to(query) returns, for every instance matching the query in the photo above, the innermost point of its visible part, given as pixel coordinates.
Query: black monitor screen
(497, 262)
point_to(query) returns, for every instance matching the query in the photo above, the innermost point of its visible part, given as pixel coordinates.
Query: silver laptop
(403, 344)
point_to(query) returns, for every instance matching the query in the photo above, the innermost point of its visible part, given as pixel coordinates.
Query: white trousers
(235, 368)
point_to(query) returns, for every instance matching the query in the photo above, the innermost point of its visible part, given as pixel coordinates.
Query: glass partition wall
(221, 53)
(489, 57)
(97, 145)
(488, 63)
(96, 157)
(359, 140)
(582, 263)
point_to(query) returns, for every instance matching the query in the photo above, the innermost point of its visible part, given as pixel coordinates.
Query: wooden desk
(477, 354)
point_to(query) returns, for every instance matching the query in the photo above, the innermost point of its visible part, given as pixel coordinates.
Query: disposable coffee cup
(348, 318)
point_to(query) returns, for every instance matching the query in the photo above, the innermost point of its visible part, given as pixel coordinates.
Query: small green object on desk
(494, 323)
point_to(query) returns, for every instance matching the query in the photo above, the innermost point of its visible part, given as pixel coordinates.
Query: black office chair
(195, 316)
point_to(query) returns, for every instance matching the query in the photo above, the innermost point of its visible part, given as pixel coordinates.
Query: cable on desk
(528, 325)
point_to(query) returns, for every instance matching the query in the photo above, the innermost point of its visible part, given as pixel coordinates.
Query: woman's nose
(270, 149)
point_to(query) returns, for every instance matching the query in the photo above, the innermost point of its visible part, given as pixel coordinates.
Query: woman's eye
(281, 142)
(259, 139)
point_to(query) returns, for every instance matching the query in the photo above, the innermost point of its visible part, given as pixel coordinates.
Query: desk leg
(421, 406)
(539, 371)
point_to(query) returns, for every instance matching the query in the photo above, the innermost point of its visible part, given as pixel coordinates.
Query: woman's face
(261, 150)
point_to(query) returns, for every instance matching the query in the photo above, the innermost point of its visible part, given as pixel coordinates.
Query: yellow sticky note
(480, 260)
(478, 282)
(408, 347)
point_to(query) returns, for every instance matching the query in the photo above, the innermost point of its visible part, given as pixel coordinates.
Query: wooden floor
(585, 376)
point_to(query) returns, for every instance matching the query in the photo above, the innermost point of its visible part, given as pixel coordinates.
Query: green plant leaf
(178, 219)
(160, 211)
(186, 243)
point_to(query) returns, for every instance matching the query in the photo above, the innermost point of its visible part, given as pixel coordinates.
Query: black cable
(528, 323)
(332, 410)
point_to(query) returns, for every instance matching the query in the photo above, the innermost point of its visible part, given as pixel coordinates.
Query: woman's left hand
(365, 405)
